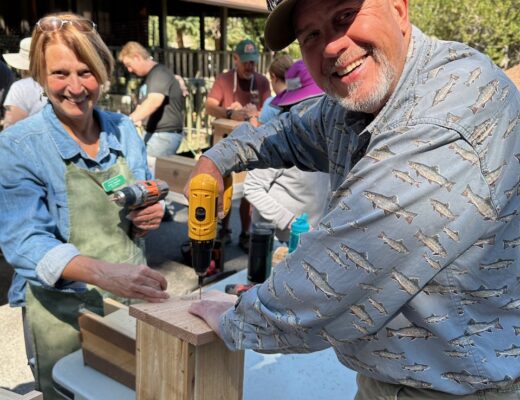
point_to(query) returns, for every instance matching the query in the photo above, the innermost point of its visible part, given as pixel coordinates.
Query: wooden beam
(259, 6)
(202, 30)
(223, 29)
(163, 25)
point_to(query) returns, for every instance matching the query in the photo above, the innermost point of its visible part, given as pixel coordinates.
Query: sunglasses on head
(52, 24)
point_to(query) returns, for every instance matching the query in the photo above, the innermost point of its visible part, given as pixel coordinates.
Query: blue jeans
(160, 144)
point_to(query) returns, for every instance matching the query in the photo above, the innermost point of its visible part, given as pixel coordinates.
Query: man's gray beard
(375, 101)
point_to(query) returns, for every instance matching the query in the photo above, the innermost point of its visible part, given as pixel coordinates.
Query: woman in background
(280, 195)
(25, 96)
(277, 70)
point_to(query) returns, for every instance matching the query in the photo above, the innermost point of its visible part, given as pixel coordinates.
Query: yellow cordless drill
(203, 219)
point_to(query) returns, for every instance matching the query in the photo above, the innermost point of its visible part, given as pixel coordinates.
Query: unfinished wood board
(174, 170)
(119, 326)
(111, 305)
(108, 344)
(219, 373)
(7, 395)
(221, 128)
(173, 317)
(164, 365)
(102, 348)
(171, 368)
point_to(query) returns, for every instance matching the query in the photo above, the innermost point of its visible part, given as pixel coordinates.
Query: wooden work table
(310, 376)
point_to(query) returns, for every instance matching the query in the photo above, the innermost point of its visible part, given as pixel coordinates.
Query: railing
(199, 69)
(202, 63)
(189, 64)
(196, 124)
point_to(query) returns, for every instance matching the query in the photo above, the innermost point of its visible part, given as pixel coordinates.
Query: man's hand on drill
(206, 166)
(147, 218)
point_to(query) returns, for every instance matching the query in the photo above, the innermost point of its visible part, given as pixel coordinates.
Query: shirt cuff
(284, 219)
(51, 266)
(226, 326)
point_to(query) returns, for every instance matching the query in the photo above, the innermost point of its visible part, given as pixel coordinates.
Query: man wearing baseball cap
(239, 94)
(411, 275)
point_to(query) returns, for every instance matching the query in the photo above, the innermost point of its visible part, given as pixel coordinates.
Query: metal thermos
(260, 252)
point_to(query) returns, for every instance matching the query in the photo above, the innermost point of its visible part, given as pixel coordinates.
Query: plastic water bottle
(299, 226)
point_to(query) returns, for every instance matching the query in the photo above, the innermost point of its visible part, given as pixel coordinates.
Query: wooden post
(180, 358)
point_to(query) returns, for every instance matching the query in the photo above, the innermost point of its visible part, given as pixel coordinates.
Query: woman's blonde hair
(87, 46)
(279, 65)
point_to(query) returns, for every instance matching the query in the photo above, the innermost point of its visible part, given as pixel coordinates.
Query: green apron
(99, 229)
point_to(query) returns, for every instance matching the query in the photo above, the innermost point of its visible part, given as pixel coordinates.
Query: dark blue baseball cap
(279, 30)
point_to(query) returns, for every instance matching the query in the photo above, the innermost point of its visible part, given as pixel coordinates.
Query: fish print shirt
(413, 274)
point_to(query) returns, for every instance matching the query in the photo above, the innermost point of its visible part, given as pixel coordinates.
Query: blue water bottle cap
(301, 224)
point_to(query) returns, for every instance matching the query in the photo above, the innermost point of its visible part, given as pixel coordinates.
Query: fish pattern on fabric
(413, 274)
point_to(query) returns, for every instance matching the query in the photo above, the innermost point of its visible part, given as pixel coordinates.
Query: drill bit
(200, 287)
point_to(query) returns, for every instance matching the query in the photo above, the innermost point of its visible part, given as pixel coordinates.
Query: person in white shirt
(25, 96)
(279, 196)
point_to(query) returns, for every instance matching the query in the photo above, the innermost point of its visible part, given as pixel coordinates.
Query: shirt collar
(68, 148)
(417, 56)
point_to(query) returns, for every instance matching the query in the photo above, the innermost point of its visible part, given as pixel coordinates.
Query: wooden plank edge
(192, 338)
(109, 351)
(111, 305)
(111, 370)
(94, 323)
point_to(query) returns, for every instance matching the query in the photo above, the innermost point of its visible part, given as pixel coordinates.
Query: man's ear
(400, 8)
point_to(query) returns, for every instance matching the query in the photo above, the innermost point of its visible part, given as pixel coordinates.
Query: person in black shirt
(161, 101)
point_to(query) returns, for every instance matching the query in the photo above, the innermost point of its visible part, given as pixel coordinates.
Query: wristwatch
(229, 113)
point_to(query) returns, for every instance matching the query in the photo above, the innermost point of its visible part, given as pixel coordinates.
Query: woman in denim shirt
(60, 231)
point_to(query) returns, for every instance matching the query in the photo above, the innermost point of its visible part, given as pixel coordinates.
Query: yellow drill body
(203, 218)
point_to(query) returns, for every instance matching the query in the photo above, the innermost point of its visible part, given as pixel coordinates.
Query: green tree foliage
(490, 26)
(182, 29)
(253, 28)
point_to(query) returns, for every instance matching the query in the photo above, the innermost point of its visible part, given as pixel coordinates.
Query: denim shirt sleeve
(32, 246)
(37, 248)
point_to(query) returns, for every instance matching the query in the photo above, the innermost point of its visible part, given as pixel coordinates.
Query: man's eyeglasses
(52, 24)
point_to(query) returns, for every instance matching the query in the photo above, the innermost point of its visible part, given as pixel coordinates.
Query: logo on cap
(249, 48)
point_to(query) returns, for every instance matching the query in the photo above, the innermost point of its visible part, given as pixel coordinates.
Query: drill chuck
(201, 255)
(141, 194)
